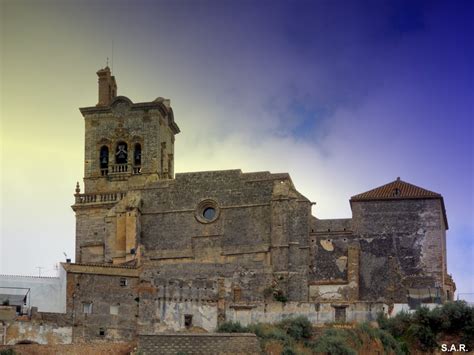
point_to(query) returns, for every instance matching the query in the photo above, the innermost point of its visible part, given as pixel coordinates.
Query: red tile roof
(396, 190)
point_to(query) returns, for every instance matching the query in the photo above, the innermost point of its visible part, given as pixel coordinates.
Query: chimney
(107, 87)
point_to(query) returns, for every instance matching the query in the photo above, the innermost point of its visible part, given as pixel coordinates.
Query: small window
(137, 155)
(114, 309)
(102, 332)
(188, 320)
(237, 294)
(340, 314)
(170, 163)
(209, 213)
(123, 282)
(87, 308)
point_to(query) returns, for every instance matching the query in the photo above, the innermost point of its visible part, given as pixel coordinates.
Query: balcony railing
(108, 197)
(118, 168)
(121, 169)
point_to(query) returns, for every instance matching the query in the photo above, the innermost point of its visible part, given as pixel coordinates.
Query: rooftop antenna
(39, 270)
(107, 63)
(112, 62)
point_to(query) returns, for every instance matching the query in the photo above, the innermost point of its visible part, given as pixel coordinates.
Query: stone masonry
(199, 344)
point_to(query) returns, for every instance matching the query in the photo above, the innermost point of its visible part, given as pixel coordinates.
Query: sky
(344, 95)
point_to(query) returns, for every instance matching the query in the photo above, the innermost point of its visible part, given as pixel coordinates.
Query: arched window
(104, 159)
(121, 153)
(137, 155)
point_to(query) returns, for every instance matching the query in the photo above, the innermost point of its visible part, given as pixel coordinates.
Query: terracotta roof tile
(394, 190)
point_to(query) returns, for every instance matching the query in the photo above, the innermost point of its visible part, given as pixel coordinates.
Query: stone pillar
(220, 301)
(279, 235)
(353, 253)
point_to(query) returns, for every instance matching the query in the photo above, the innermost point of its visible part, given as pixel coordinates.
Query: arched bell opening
(121, 153)
(104, 160)
(137, 155)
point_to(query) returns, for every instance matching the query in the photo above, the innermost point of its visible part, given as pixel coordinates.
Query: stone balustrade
(120, 169)
(108, 197)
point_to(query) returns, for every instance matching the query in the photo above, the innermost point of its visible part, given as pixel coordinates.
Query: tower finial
(107, 62)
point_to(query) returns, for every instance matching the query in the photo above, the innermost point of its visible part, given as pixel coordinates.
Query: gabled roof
(396, 190)
(399, 190)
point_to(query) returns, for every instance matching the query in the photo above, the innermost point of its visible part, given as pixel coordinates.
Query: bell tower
(127, 146)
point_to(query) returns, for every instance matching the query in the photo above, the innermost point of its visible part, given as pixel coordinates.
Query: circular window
(207, 211)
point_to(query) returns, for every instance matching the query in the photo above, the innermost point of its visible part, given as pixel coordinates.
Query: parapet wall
(207, 344)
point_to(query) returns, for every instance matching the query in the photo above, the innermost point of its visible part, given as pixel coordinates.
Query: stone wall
(317, 313)
(103, 307)
(205, 344)
(402, 248)
(36, 332)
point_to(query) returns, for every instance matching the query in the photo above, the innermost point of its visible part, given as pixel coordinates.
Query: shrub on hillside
(424, 326)
(334, 342)
(269, 331)
(390, 344)
(288, 350)
(298, 328)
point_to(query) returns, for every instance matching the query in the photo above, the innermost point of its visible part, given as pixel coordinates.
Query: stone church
(158, 251)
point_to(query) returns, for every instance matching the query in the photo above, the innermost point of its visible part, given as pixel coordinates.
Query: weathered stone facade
(157, 253)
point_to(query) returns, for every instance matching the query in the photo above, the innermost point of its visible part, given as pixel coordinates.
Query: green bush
(267, 331)
(422, 335)
(298, 328)
(390, 344)
(398, 325)
(280, 297)
(367, 329)
(232, 327)
(7, 352)
(288, 350)
(334, 342)
(350, 336)
(424, 326)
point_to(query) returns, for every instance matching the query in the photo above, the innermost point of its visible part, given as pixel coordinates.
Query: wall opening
(114, 309)
(237, 294)
(340, 314)
(188, 320)
(104, 160)
(137, 155)
(87, 307)
(121, 153)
